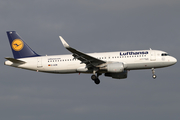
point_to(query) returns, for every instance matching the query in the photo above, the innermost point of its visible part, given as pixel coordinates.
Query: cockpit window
(164, 54)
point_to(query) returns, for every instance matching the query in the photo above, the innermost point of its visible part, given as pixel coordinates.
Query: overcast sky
(90, 26)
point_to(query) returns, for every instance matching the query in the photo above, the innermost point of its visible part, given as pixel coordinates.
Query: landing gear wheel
(154, 76)
(153, 72)
(93, 77)
(97, 81)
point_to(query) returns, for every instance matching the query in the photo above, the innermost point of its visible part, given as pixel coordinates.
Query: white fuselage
(63, 64)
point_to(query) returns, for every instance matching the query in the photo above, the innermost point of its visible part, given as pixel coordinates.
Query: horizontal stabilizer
(15, 60)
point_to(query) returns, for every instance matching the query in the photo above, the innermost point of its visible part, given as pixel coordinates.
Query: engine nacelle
(121, 75)
(115, 67)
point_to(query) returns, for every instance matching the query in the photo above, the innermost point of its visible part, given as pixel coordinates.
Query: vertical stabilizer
(19, 48)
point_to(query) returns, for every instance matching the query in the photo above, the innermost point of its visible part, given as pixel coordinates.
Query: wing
(90, 61)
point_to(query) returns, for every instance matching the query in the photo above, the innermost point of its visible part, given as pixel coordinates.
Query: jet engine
(120, 75)
(115, 67)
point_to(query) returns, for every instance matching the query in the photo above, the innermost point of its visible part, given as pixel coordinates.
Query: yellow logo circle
(17, 44)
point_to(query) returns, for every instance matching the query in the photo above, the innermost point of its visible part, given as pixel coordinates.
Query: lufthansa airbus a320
(111, 64)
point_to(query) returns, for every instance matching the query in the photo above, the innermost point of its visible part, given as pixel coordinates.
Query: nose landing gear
(153, 72)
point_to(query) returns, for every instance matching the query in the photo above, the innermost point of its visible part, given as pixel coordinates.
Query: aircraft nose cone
(174, 60)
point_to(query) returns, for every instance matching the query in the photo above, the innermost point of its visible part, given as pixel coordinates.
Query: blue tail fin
(19, 48)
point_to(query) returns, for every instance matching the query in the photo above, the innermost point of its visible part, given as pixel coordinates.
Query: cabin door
(39, 62)
(153, 56)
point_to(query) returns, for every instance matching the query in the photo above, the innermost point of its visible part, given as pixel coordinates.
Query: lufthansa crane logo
(17, 44)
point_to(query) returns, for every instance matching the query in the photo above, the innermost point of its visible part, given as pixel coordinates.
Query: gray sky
(90, 26)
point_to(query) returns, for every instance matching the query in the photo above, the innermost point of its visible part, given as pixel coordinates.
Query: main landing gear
(95, 78)
(153, 72)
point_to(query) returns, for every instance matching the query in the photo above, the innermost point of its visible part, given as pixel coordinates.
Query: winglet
(64, 42)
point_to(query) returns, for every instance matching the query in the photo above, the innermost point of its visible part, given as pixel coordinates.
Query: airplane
(111, 64)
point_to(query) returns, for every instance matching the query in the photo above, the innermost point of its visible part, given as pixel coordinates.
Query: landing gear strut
(153, 72)
(95, 78)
